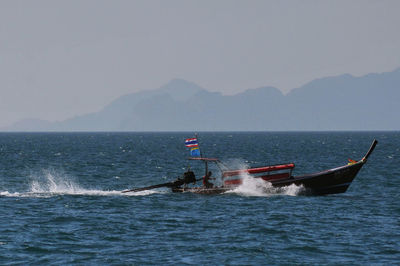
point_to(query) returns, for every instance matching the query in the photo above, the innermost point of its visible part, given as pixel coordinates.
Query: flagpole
(198, 143)
(201, 154)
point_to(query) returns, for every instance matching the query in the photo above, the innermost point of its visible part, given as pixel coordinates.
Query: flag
(191, 142)
(195, 152)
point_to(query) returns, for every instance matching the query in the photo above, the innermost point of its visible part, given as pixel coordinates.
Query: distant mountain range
(345, 102)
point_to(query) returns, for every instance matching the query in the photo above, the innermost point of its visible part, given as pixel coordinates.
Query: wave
(258, 187)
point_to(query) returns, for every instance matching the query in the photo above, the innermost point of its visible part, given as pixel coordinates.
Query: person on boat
(189, 177)
(206, 182)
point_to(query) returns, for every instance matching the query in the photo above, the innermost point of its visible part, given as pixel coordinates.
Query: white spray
(50, 182)
(258, 187)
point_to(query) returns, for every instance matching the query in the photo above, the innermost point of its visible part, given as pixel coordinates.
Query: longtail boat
(331, 181)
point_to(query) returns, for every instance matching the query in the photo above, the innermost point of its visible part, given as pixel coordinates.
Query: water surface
(60, 201)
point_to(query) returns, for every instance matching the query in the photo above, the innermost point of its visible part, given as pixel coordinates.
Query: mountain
(343, 102)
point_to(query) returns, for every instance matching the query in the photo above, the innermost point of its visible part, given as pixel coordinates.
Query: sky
(59, 59)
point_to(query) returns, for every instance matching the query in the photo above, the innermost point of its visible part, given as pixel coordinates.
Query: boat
(331, 181)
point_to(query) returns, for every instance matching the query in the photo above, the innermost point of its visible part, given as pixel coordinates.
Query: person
(206, 182)
(189, 177)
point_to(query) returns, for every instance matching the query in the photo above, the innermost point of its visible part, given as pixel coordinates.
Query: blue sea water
(60, 201)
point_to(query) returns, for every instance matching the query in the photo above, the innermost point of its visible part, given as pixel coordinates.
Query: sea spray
(252, 186)
(258, 187)
(9, 194)
(52, 182)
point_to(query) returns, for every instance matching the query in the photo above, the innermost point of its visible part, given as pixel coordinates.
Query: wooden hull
(332, 181)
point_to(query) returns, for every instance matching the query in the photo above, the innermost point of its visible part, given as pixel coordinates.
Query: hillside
(343, 102)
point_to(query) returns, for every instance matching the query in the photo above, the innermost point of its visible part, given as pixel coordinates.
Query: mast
(198, 143)
(201, 154)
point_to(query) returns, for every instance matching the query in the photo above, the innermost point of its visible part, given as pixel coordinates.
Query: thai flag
(191, 142)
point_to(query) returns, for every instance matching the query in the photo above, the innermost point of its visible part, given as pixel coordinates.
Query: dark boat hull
(332, 181)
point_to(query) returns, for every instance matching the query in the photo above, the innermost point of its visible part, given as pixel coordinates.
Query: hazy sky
(63, 58)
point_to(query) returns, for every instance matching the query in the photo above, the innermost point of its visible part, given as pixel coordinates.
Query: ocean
(61, 201)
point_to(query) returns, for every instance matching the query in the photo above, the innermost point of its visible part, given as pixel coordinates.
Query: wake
(51, 184)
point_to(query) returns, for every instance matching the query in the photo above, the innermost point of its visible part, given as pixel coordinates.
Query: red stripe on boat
(233, 182)
(259, 169)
